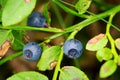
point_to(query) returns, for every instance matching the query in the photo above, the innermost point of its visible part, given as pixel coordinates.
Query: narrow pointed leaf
(46, 14)
(18, 40)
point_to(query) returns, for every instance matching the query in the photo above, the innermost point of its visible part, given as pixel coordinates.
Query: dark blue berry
(73, 48)
(32, 51)
(36, 19)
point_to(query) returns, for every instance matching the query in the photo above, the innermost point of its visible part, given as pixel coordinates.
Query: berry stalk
(57, 68)
(113, 49)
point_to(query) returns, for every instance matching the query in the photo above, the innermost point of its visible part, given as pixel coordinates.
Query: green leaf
(104, 54)
(72, 73)
(28, 75)
(49, 58)
(18, 40)
(2, 3)
(5, 35)
(45, 46)
(97, 42)
(107, 69)
(118, 62)
(82, 6)
(16, 10)
(117, 43)
(0, 15)
(46, 13)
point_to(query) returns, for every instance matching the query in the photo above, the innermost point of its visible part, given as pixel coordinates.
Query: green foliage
(107, 69)
(16, 10)
(95, 44)
(5, 35)
(118, 62)
(82, 5)
(2, 3)
(104, 54)
(18, 40)
(99, 40)
(117, 43)
(49, 57)
(72, 73)
(13, 12)
(46, 14)
(28, 75)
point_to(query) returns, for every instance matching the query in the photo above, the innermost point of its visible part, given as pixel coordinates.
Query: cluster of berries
(72, 48)
(32, 51)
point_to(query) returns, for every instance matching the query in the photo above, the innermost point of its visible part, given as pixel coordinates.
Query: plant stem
(77, 63)
(72, 35)
(57, 68)
(88, 21)
(83, 15)
(10, 57)
(105, 21)
(113, 49)
(31, 28)
(69, 10)
(78, 26)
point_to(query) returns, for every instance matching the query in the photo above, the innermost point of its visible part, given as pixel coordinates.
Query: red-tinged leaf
(97, 42)
(117, 43)
(118, 62)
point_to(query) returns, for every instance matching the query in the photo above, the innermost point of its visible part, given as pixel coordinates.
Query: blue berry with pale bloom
(32, 51)
(73, 48)
(36, 19)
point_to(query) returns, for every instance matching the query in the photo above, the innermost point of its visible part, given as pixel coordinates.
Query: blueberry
(32, 51)
(36, 19)
(73, 48)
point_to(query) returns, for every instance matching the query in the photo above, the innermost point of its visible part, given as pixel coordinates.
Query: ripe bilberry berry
(36, 19)
(32, 51)
(73, 48)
